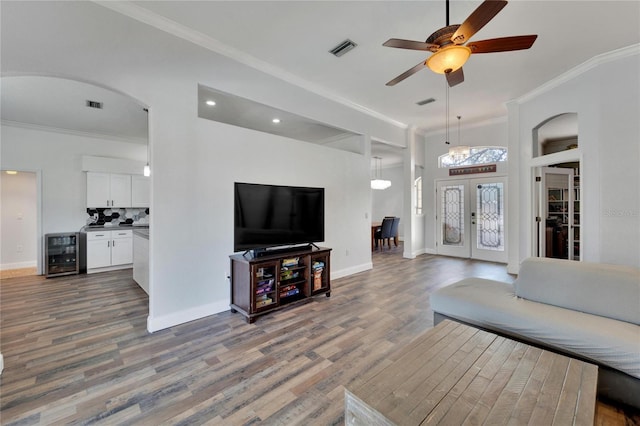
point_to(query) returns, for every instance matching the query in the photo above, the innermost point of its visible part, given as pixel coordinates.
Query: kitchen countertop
(88, 228)
(141, 231)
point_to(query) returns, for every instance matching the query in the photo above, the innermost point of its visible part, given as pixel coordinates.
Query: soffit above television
(242, 112)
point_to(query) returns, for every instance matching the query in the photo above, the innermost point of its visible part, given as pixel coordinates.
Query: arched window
(478, 155)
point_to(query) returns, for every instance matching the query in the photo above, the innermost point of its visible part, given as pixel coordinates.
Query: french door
(471, 218)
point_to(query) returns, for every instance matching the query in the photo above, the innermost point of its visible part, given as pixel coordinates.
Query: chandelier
(459, 152)
(378, 182)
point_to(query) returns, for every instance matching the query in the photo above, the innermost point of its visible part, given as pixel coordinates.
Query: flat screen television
(274, 215)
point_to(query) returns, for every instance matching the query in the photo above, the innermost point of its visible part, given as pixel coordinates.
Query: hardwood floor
(76, 350)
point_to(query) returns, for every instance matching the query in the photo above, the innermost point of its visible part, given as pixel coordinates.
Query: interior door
(471, 218)
(558, 212)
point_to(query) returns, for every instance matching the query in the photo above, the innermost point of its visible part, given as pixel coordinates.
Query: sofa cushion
(494, 306)
(611, 291)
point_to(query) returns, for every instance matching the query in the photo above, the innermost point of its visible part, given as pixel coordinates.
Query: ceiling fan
(448, 44)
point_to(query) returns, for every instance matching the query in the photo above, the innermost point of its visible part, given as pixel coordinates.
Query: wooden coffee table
(455, 374)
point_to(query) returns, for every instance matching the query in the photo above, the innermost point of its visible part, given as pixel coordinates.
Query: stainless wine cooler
(61, 254)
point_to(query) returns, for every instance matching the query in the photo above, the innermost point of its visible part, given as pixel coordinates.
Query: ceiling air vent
(94, 104)
(425, 101)
(343, 48)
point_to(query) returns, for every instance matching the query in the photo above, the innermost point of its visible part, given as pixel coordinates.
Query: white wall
(18, 220)
(206, 242)
(58, 156)
(605, 94)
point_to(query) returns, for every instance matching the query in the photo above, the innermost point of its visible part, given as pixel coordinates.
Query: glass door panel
(453, 215)
(488, 219)
(453, 218)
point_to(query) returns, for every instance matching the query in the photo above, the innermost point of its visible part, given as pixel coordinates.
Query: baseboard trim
(351, 270)
(176, 318)
(18, 265)
(109, 268)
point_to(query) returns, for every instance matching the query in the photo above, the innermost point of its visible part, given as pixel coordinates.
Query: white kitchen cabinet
(141, 261)
(121, 247)
(120, 190)
(98, 249)
(140, 191)
(98, 189)
(109, 249)
(108, 190)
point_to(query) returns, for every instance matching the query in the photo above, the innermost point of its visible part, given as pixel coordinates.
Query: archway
(557, 207)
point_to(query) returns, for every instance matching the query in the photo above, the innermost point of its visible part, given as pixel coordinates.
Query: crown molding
(174, 28)
(23, 125)
(603, 58)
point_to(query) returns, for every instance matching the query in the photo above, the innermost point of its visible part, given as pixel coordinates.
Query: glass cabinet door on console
(265, 294)
(320, 266)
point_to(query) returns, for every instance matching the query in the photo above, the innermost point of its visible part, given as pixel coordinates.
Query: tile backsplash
(118, 216)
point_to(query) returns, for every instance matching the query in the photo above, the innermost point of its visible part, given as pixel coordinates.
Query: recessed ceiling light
(12, 172)
(211, 103)
(276, 120)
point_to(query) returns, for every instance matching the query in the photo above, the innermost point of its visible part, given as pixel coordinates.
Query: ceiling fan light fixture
(448, 59)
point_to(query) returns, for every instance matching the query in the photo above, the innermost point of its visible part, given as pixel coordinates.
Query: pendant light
(460, 152)
(378, 182)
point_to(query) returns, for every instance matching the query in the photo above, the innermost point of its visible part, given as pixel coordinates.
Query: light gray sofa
(585, 310)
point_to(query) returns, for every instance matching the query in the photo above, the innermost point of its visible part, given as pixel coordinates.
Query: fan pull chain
(447, 113)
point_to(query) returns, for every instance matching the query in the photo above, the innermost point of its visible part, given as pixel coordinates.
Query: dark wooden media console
(260, 285)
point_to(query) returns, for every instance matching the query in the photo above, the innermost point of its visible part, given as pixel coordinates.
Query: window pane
(490, 220)
(453, 215)
(478, 155)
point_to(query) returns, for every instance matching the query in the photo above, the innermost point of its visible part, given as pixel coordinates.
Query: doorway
(558, 211)
(471, 219)
(19, 223)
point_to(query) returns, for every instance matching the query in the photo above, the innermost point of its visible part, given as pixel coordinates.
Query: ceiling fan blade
(406, 74)
(409, 44)
(503, 44)
(455, 77)
(478, 19)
